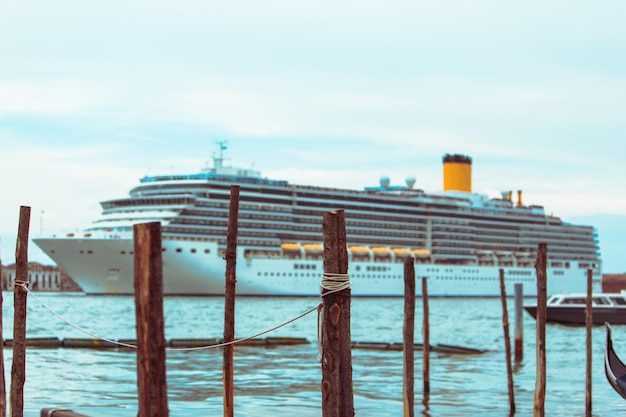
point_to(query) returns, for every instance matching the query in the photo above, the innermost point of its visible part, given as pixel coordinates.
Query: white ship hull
(106, 266)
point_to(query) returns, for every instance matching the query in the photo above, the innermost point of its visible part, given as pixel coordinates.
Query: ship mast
(218, 161)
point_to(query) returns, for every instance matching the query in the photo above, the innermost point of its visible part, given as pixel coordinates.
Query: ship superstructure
(458, 239)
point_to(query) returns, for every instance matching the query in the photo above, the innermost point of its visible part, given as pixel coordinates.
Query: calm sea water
(285, 380)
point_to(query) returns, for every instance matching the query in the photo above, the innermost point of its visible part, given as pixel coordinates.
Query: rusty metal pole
(229, 301)
(507, 344)
(542, 312)
(409, 337)
(18, 367)
(519, 322)
(148, 286)
(589, 324)
(337, 390)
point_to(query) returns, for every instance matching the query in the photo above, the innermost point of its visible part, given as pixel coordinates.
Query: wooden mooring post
(507, 343)
(18, 367)
(409, 338)
(542, 312)
(148, 286)
(519, 322)
(229, 302)
(3, 388)
(426, 346)
(336, 358)
(589, 349)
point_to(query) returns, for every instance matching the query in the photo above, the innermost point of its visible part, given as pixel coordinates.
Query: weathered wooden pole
(541, 265)
(507, 344)
(409, 337)
(519, 322)
(229, 301)
(426, 334)
(3, 388)
(337, 393)
(18, 367)
(589, 324)
(148, 285)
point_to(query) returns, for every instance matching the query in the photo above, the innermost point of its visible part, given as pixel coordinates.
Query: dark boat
(571, 308)
(614, 368)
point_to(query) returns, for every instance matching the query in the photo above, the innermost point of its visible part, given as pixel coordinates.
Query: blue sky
(95, 95)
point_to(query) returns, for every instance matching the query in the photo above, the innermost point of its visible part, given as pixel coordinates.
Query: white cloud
(56, 96)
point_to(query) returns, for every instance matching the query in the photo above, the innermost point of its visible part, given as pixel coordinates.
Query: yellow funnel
(457, 173)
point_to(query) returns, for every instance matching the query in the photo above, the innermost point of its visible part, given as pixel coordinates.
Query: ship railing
(89, 234)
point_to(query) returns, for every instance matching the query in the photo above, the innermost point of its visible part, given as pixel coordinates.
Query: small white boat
(571, 308)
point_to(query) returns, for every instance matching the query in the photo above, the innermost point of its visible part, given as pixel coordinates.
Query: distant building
(40, 278)
(613, 282)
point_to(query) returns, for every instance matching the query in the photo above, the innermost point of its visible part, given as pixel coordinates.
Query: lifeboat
(401, 251)
(358, 249)
(290, 246)
(380, 251)
(421, 252)
(312, 247)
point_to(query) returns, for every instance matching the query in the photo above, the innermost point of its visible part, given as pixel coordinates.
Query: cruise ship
(459, 240)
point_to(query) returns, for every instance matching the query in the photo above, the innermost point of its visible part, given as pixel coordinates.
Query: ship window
(207, 251)
(574, 301)
(193, 250)
(123, 252)
(89, 251)
(178, 250)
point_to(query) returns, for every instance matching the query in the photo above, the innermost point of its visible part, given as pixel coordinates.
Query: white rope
(169, 349)
(249, 337)
(74, 325)
(332, 283)
(335, 282)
